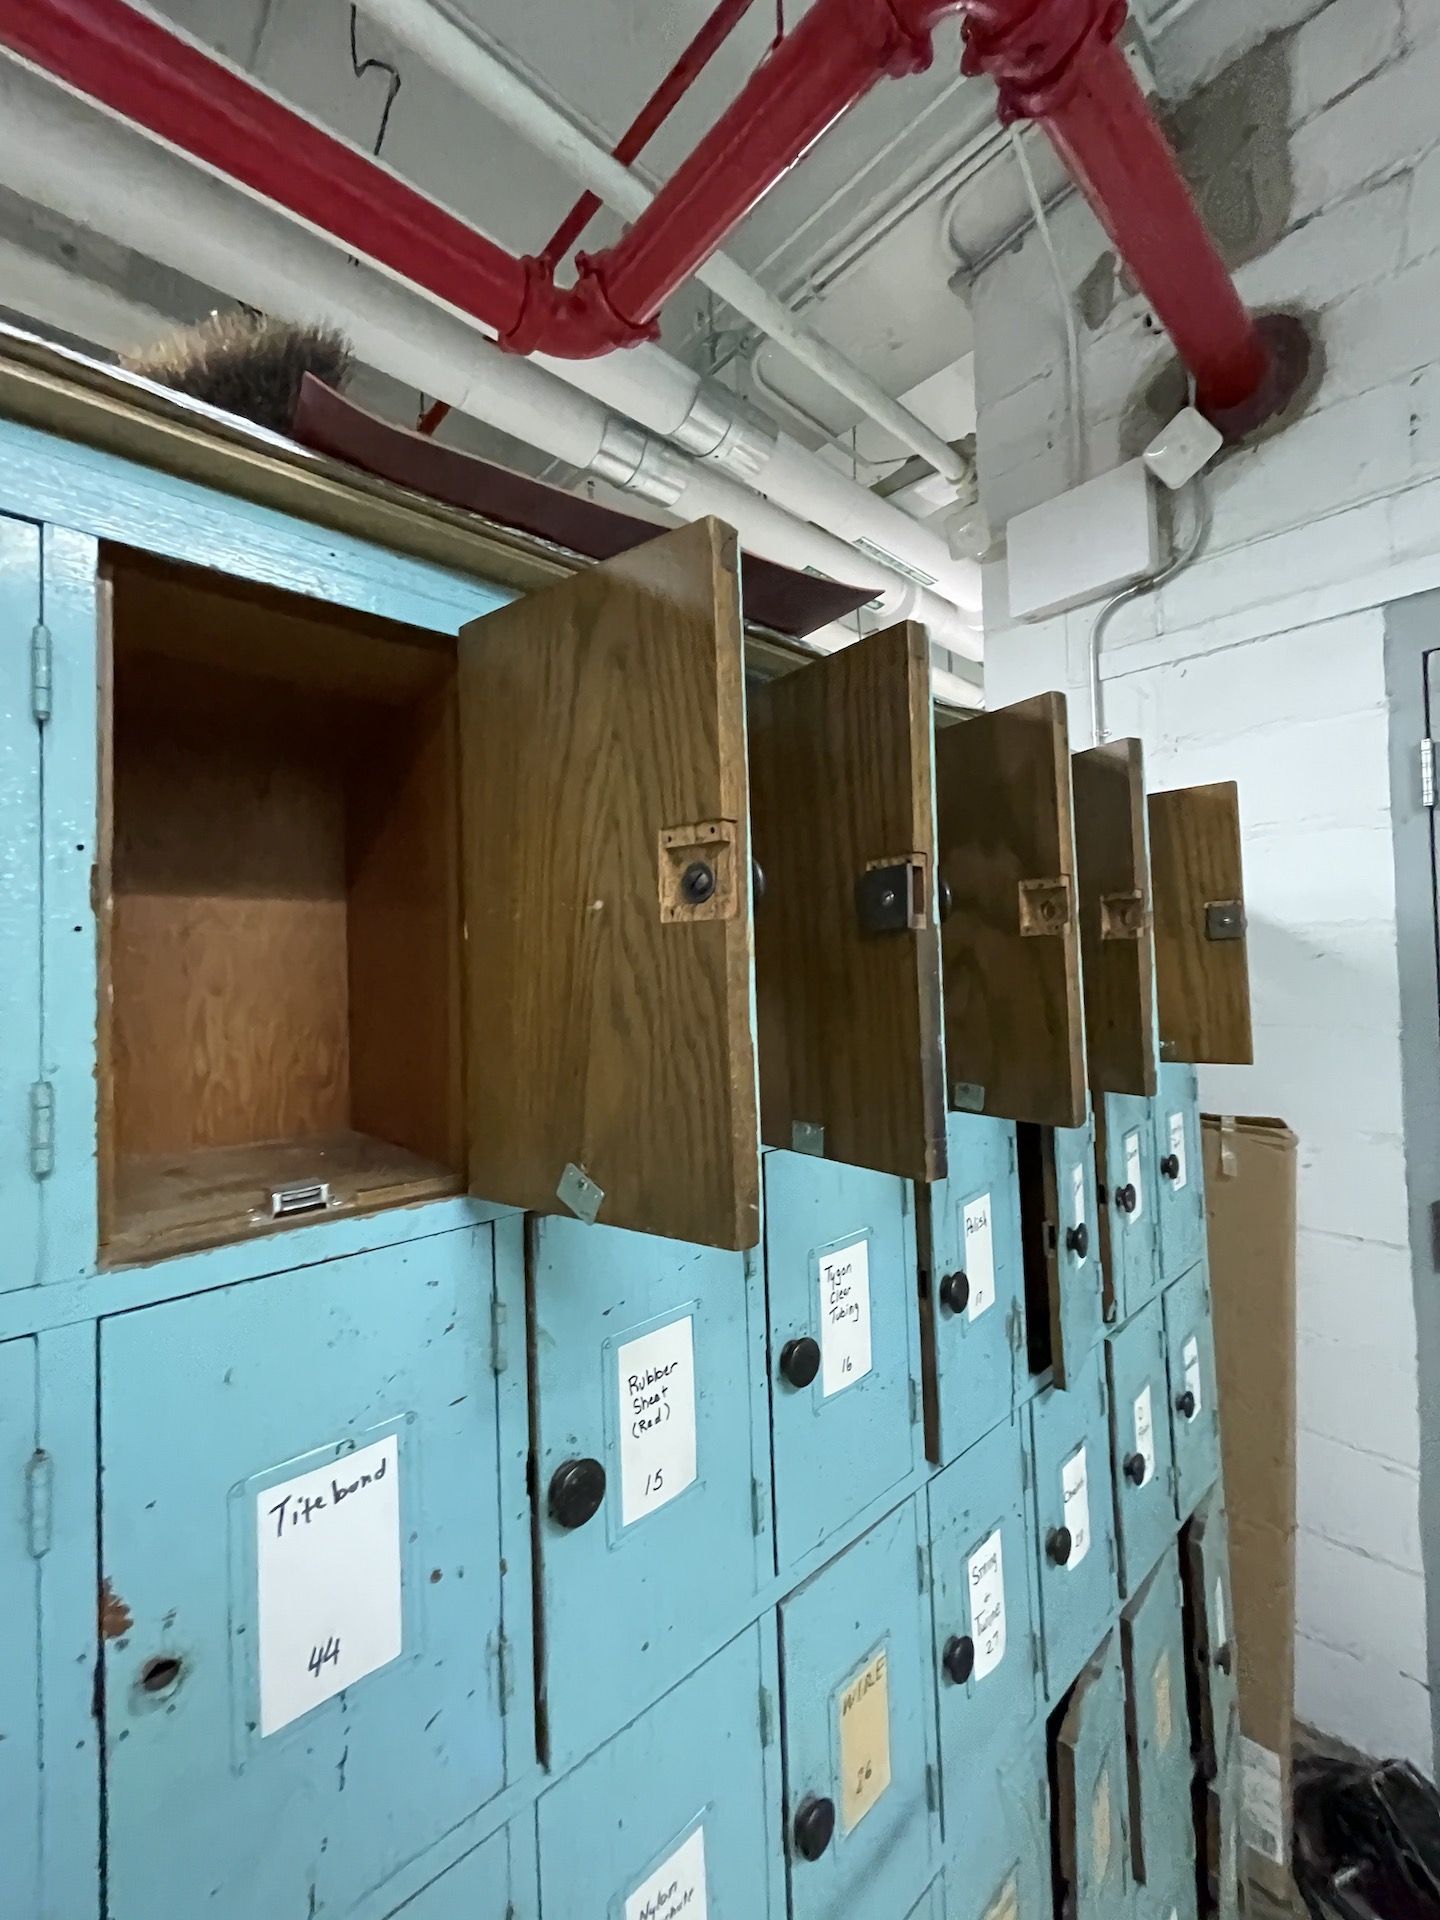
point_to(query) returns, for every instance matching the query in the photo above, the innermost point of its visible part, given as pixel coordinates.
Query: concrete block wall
(1313, 137)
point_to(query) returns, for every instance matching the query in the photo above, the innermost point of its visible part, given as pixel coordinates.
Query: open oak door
(1202, 968)
(1116, 927)
(1014, 1036)
(610, 1066)
(846, 941)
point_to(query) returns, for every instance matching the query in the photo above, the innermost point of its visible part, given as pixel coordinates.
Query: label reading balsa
(1177, 1147)
(676, 1886)
(864, 1707)
(1075, 1491)
(986, 1574)
(845, 1355)
(655, 1382)
(327, 1551)
(979, 1255)
(1145, 1431)
(1133, 1176)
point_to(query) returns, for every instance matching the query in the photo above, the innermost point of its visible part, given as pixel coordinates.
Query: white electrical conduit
(69, 156)
(445, 46)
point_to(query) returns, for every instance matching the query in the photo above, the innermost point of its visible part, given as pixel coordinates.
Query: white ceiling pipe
(72, 157)
(447, 47)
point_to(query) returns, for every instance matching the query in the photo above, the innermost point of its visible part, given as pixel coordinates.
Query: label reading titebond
(844, 1278)
(979, 1255)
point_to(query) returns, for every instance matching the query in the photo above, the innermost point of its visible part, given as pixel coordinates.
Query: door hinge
(42, 1129)
(922, 1569)
(499, 1360)
(914, 1401)
(932, 1797)
(42, 654)
(757, 1507)
(765, 1716)
(1427, 773)
(503, 1666)
(39, 1504)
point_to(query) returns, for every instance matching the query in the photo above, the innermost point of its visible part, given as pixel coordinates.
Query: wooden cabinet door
(611, 1064)
(1116, 926)
(1202, 972)
(1014, 1040)
(846, 939)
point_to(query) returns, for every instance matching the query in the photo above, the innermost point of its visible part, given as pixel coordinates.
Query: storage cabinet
(1194, 1409)
(20, 909)
(1129, 1236)
(998, 1856)
(1074, 1521)
(1092, 1813)
(1141, 1452)
(1179, 1167)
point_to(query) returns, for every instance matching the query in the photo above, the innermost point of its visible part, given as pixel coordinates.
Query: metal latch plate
(1123, 916)
(892, 896)
(1045, 907)
(1224, 919)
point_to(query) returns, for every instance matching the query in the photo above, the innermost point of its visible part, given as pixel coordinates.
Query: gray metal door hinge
(39, 1502)
(42, 1129)
(1427, 773)
(757, 1507)
(765, 1717)
(503, 1671)
(42, 654)
(499, 1359)
(922, 1569)
(914, 1401)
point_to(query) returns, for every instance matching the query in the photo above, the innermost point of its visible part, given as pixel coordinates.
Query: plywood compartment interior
(280, 917)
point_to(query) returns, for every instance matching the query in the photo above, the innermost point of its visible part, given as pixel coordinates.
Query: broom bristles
(246, 363)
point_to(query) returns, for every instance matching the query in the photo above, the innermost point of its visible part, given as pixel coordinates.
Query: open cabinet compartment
(280, 921)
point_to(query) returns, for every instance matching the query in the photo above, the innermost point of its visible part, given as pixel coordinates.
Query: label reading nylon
(676, 1886)
(1075, 1491)
(845, 1355)
(655, 1382)
(1132, 1176)
(864, 1704)
(1177, 1147)
(986, 1575)
(979, 1255)
(1145, 1431)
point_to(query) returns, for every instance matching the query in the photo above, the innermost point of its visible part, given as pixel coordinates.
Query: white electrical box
(1083, 544)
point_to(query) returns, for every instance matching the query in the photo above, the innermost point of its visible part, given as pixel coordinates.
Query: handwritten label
(864, 1703)
(1193, 1375)
(1145, 1431)
(1220, 1621)
(1077, 1204)
(979, 1255)
(1006, 1906)
(676, 1886)
(1263, 1826)
(1132, 1176)
(1177, 1147)
(1164, 1703)
(1102, 1837)
(329, 1597)
(1075, 1490)
(986, 1573)
(655, 1380)
(844, 1317)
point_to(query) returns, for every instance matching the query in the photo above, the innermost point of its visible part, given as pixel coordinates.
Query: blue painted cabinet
(1161, 1773)
(997, 1865)
(840, 1262)
(679, 1813)
(859, 1730)
(1074, 1521)
(1180, 1166)
(22, 1093)
(1092, 1812)
(1079, 1312)
(1130, 1238)
(652, 1466)
(972, 1286)
(1141, 1449)
(302, 1615)
(1194, 1408)
(20, 1778)
(1205, 1548)
(494, 1881)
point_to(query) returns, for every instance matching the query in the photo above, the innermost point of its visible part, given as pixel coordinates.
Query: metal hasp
(1055, 61)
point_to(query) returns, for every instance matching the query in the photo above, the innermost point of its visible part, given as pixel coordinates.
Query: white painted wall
(1264, 663)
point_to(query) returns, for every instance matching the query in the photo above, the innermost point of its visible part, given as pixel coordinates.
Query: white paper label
(1221, 1623)
(656, 1385)
(979, 1255)
(1075, 1488)
(1077, 1203)
(328, 1561)
(1177, 1147)
(1263, 1826)
(844, 1317)
(1145, 1431)
(676, 1886)
(1132, 1175)
(986, 1572)
(1193, 1376)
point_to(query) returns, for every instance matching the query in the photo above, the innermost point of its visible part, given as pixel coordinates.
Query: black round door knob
(1126, 1198)
(757, 880)
(959, 1658)
(1077, 1240)
(1135, 1469)
(1170, 1166)
(814, 1826)
(577, 1488)
(955, 1292)
(1185, 1405)
(697, 883)
(800, 1361)
(1225, 1659)
(1060, 1546)
(946, 899)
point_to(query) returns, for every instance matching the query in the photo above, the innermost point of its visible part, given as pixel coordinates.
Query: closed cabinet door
(20, 1776)
(1194, 1413)
(1179, 1166)
(1092, 1815)
(679, 1813)
(1074, 1522)
(987, 1652)
(1205, 1546)
(1129, 1204)
(844, 1365)
(859, 1728)
(1142, 1455)
(26, 1128)
(1079, 1313)
(1162, 1817)
(997, 1864)
(302, 1615)
(972, 1292)
(652, 1467)
(477, 1887)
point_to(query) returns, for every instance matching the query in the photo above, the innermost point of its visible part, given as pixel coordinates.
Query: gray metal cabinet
(1143, 1460)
